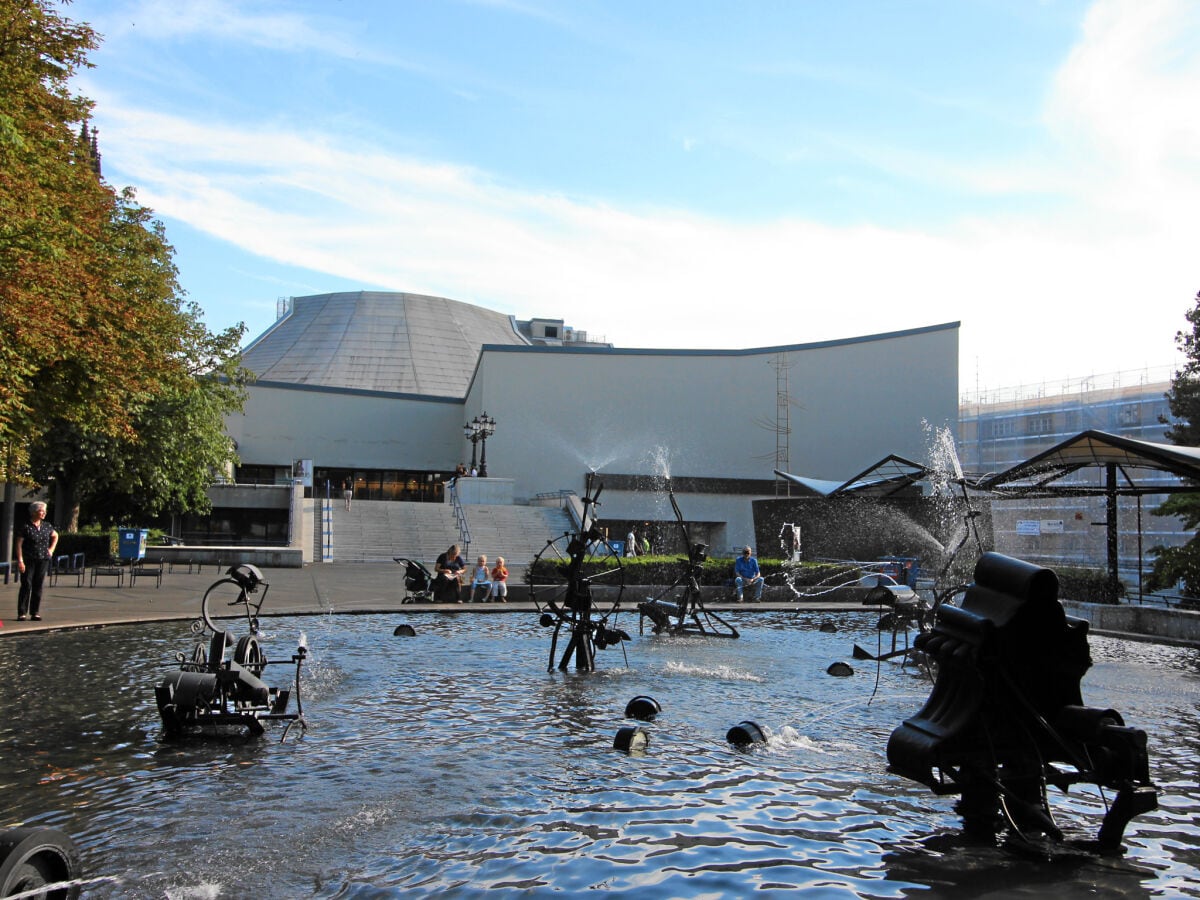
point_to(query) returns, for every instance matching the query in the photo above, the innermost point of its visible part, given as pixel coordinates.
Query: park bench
(110, 569)
(146, 568)
(68, 565)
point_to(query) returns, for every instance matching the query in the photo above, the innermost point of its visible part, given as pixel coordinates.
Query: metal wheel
(599, 585)
(569, 581)
(249, 654)
(32, 859)
(225, 602)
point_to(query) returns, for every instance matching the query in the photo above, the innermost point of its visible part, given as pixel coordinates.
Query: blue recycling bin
(131, 543)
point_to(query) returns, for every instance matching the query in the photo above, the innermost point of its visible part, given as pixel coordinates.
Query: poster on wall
(302, 471)
(1029, 526)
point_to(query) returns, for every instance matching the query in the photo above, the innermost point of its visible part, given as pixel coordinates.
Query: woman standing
(36, 541)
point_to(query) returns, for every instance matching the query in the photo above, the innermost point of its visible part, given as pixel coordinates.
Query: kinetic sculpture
(1005, 718)
(688, 613)
(563, 588)
(218, 690)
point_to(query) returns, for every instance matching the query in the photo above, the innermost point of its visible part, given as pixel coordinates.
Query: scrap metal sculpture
(219, 688)
(1005, 718)
(687, 614)
(566, 591)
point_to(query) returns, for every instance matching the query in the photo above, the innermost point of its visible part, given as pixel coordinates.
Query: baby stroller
(418, 583)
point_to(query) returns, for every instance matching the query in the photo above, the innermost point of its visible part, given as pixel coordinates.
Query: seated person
(745, 570)
(448, 580)
(499, 581)
(481, 579)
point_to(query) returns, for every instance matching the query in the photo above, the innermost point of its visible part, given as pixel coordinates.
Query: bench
(146, 568)
(109, 570)
(68, 565)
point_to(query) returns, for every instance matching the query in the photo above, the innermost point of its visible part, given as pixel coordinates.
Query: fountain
(450, 765)
(687, 614)
(564, 592)
(215, 691)
(1006, 719)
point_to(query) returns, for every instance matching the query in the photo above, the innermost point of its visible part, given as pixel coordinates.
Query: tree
(1173, 565)
(175, 447)
(89, 307)
(106, 372)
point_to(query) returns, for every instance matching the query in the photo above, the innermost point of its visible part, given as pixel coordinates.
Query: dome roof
(379, 341)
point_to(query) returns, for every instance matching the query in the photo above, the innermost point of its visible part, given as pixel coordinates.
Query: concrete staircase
(376, 531)
(518, 533)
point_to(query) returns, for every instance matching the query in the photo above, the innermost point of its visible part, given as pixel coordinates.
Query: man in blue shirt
(745, 570)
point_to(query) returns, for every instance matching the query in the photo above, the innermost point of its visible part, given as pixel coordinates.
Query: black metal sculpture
(219, 688)
(687, 614)
(1005, 718)
(563, 589)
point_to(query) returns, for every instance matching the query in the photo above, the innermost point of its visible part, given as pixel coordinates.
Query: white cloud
(1098, 285)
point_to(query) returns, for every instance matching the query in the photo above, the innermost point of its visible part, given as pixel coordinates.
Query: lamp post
(478, 430)
(471, 433)
(487, 426)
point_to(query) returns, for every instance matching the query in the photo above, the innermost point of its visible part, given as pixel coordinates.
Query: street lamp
(487, 426)
(478, 430)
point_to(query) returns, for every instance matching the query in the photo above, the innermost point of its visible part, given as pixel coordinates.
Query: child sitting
(481, 579)
(499, 589)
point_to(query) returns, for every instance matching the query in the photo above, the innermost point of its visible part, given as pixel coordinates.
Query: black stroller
(418, 583)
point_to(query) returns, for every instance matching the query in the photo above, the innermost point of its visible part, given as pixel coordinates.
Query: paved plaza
(318, 589)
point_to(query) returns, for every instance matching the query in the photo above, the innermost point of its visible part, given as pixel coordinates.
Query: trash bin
(131, 543)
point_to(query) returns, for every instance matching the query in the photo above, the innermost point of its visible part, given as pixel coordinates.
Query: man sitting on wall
(745, 570)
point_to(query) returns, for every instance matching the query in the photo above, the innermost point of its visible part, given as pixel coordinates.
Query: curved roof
(378, 341)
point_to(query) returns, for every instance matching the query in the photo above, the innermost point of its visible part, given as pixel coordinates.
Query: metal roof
(379, 341)
(888, 477)
(1139, 465)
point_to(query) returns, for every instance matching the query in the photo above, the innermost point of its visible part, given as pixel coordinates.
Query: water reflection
(453, 763)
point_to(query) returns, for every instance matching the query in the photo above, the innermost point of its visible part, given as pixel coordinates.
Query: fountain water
(463, 768)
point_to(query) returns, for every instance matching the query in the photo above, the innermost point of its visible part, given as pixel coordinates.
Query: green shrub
(1087, 586)
(664, 570)
(95, 547)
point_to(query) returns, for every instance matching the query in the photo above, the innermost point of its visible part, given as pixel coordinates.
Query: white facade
(710, 415)
(708, 418)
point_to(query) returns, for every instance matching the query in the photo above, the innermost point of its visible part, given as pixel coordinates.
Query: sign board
(1052, 526)
(302, 470)
(1028, 526)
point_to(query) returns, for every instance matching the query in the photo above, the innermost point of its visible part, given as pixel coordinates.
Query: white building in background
(374, 389)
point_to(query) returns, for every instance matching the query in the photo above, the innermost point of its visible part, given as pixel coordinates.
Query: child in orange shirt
(499, 589)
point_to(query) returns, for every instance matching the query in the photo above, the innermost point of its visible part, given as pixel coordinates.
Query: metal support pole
(1110, 491)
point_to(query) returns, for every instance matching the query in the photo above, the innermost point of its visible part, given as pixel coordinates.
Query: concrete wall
(561, 411)
(345, 428)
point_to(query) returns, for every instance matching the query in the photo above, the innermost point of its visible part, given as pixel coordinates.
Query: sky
(681, 173)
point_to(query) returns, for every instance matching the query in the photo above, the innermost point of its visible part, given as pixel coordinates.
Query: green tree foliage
(1175, 564)
(107, 375)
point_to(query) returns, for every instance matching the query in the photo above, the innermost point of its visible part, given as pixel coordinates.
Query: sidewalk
(318, 589)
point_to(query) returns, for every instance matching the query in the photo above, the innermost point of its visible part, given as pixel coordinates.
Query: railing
(326, 530)
(564, 499)
(460, 519)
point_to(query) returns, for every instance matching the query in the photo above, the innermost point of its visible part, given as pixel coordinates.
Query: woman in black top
(36, 540)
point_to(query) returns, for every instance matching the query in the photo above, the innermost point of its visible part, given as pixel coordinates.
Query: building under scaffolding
(999, 429)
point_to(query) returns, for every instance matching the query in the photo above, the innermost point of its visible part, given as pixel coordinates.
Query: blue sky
(681, 174)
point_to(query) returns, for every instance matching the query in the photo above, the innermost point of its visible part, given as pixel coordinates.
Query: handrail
(568, 501)
(460, 519)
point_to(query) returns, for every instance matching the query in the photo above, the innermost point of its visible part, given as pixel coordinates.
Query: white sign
(1052, 526)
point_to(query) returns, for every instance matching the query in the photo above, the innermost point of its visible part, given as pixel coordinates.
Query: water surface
(453, 763)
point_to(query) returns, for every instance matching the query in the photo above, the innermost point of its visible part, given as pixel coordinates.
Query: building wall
(346, 428)
(562, 411)
(1000, 432)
